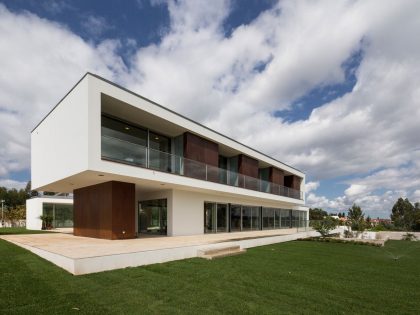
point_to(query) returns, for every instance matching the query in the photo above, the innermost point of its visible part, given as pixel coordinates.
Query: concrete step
(219, 252)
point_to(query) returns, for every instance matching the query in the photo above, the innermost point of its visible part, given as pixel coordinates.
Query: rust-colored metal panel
(292, 181)
(249, 167)
(105, 210)
(123, 210)
(203, 151)
(276, 176)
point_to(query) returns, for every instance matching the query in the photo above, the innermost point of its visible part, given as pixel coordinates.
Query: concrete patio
(83, 255)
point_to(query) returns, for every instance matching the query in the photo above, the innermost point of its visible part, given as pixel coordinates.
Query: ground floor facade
(117, 210)
(57, 209)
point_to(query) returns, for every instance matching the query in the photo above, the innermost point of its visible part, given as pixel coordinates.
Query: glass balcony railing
(134, 154)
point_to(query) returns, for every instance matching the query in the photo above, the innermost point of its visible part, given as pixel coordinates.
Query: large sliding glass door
(222, 217)
(215, 217)
(153, 217)
(249, 219)
(209, 217)
(60, 214)
(235, 218)
(123, 142)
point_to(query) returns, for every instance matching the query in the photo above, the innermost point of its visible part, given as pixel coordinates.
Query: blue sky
(328, 87)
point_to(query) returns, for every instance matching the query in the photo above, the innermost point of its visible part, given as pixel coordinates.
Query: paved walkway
(76, 247)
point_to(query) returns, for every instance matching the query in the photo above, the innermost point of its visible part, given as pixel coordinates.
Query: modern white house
(59, 208)
(137, 168)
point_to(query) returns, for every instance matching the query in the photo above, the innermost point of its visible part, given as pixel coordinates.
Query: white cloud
(95, 25)
(39, 61)
(9, 183)
(311, 186)
(56, 6)
(356, 190)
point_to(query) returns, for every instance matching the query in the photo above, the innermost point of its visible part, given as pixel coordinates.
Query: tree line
(405, 216)
(14, 204)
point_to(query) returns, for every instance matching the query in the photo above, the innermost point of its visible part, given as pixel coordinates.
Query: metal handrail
(171, 163)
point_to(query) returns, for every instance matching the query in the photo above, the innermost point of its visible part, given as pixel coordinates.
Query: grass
(294, 277)
(19, 230)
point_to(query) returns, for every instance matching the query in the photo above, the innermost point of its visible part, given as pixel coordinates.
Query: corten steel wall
(276, 176)
(204, 151)
(292, 181)
(249, 167)
(105, 211)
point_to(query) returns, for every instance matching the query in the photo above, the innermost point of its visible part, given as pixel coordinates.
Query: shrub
(409, 237)
(46, 221)
(325, 226)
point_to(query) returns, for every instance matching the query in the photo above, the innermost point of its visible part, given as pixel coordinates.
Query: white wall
(188, 213)
(59, 145)
(34, 210)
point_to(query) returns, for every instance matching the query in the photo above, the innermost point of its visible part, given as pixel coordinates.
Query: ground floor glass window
(152, 217)
(218, 217)
(60, 214)
(215, 217)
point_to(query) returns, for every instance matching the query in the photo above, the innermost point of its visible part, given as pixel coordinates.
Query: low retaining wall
(395, 235)
(381, 235)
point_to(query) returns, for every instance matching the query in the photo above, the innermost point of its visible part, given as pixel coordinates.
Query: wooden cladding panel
(105, 210)
(203, 151)
(123, 210)
(247, 166)
(200, 149)
(292, 181)
(276, 176)
(92, 211)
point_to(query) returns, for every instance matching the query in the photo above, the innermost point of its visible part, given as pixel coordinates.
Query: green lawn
(19, 230)
(294, 277)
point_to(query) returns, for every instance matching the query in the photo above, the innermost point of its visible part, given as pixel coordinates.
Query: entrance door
(153, 217)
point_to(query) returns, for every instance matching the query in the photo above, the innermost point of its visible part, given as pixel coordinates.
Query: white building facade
(135, 167)
(58, 208)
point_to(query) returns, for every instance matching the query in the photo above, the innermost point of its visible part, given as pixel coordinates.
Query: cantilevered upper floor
(100, 132)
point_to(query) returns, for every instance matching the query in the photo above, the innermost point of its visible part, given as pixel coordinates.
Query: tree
(325, 226)
(48, 193)
(404, 214)
(416, 226)
(368, 222)
(16, 214)
(356, 218)
(29, 192)
(317, 214)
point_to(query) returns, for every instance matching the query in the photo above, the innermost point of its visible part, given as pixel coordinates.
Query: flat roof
(162, 107)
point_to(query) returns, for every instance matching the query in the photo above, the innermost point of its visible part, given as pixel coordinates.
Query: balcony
(117, 150)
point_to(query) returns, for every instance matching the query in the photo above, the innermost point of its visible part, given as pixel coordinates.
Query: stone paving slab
(72, 246)
(83, 255)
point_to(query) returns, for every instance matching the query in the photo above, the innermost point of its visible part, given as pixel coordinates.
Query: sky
(330, 87)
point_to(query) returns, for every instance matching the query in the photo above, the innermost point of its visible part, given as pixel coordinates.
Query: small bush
(409, 237)
(325, 226)
(336, 240)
